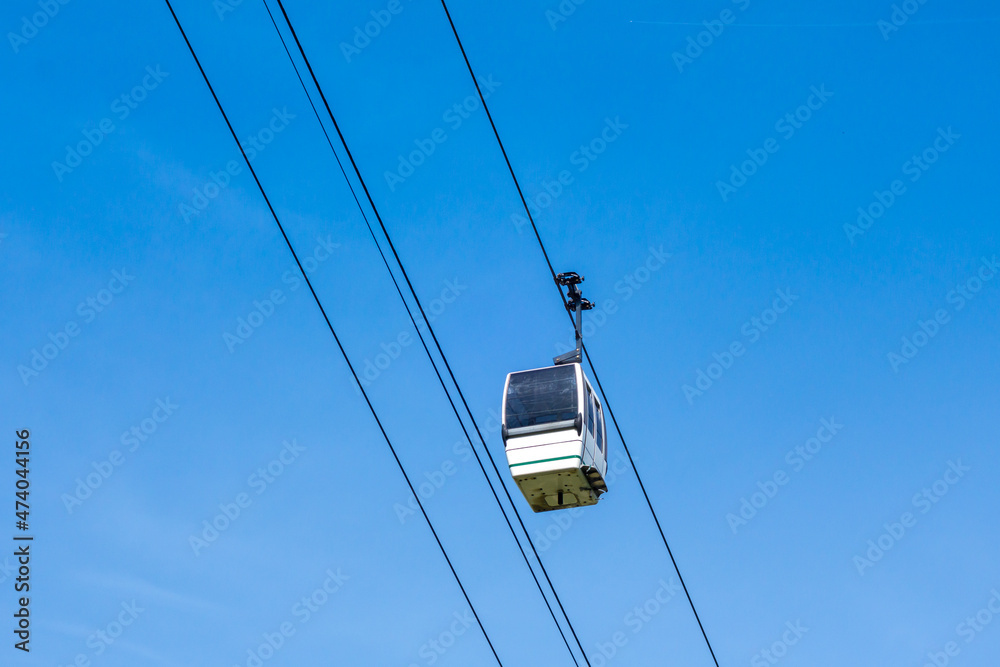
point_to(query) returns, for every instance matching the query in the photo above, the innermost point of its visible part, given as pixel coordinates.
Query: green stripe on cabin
(558, 458)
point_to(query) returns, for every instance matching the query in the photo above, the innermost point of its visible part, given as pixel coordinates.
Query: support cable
(428, 352)
(597, 380)
(329, 324)
(430, 328)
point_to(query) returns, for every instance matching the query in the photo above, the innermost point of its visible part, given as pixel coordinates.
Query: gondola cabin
(554, 436)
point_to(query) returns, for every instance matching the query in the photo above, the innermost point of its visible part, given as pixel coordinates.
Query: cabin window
(545, 396)
(590, 411)
(600, 430)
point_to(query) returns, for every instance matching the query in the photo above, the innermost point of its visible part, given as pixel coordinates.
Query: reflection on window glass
(545, 396)
(590, 412)
(600, 431)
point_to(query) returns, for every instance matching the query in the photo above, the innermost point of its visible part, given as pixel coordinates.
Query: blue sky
(806, 379)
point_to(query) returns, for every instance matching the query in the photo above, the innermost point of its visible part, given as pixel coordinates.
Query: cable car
(553, 426)
(554, 436)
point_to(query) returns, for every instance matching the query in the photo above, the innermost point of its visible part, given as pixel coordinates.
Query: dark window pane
(590, 412)
(541, 397)
(600, 431)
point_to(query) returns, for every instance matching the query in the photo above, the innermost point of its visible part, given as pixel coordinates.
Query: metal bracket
(575, 302)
